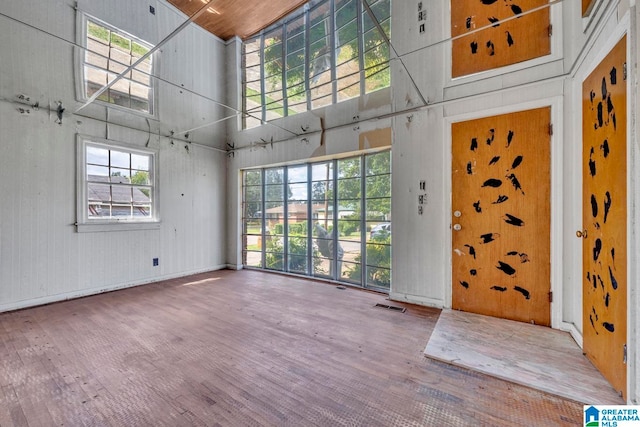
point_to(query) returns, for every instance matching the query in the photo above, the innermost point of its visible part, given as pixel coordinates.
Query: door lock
(581, 234)
(457, 227)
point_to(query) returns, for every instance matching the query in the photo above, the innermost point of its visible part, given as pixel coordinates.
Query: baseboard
(575, 334)
(18, 305)
(235, 266)
(416, 299)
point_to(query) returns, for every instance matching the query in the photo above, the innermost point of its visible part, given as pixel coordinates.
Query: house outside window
(117, 183)
(325, 52)
(109, 52)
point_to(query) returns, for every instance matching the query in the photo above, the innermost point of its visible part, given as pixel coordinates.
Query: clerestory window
(108, 53)
(326, 52)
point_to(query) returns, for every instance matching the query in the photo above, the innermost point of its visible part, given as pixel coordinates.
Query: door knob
(457, 227)
(581, 234)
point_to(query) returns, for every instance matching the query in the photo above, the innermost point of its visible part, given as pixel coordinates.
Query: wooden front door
(604, 218)
(501, 216)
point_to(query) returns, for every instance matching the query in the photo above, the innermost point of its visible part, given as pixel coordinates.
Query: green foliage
(378, 263)
(297, 254)
(101, 33)
(141, 178)
(298, 228)
(346, 228)
(98, 32)
(278, 229)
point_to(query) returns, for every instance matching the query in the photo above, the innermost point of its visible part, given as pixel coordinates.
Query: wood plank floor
(245, 348)
(539, 357)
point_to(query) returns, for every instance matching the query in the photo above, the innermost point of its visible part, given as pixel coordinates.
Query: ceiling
(242, 18)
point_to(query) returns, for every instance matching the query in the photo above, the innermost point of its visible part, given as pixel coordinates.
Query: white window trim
(83, 223)
(81, 40)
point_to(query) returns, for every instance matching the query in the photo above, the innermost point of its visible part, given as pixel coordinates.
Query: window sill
(102, 227)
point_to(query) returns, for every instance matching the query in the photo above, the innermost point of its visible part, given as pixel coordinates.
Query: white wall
(42, 257)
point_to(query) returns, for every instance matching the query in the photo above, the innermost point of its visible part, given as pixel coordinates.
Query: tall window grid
(325, 52)
(328, 219)
(108, 53)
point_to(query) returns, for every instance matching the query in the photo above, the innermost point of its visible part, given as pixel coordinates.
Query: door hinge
(624, 71)
(550, 29)
(624, 354)
(550, 128)
(550, 296)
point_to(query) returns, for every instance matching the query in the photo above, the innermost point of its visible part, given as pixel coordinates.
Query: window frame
(335, 87)
(79, 59)
(275, 186)
(86, 224)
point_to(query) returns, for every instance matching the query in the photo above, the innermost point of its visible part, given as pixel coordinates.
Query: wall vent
(391, 307)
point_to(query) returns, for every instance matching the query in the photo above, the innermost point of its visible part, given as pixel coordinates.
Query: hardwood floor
(245, 348)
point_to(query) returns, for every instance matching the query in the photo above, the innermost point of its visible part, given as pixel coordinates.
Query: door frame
(598, 51)
(556, 155)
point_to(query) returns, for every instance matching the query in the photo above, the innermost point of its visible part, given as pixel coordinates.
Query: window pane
(322, 171)
(98, 173)
(351, 272)
(252, 259)
(140, 162)
(120, 175)
(349, 189)
(320, 54)
(379, 277)
(252, 177)
(274, 192)
(120, 159)
(349, 168)
(274, 253)
(274, 176)
(298, 254)
(378, 209)
(253, 192)
(252, 210)
(322, 190)
(109, 54)
(378, 164)
(97, 156)
(378, 186)
(252, 98)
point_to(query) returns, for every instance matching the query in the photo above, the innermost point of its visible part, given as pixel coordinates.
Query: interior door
(604, 218)
(501, 216)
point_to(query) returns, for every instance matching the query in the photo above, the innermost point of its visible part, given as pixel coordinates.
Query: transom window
(326, 52)
(329, 219)
(118, 183)
(108, 53)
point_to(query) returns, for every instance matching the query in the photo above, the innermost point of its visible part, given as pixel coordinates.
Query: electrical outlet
(156, 262)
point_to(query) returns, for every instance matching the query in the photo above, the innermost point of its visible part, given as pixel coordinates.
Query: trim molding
(18, 305)
(416, 299)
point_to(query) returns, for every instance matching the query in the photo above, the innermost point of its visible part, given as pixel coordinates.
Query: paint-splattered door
(604, 219)
(501, 215)
(489, 34)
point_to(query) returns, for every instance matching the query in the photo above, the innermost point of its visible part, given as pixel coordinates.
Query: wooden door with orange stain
(604, 217)
(501, 215)
(504, 41)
